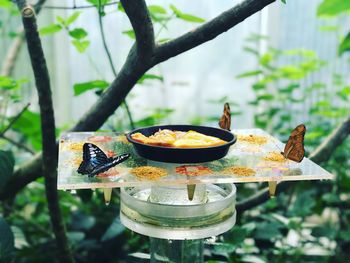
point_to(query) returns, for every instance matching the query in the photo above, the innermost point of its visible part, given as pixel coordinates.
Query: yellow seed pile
(148, 172)
(274, 157)
(239, 170)
(122, 138)
(74, 146)
(253, 139)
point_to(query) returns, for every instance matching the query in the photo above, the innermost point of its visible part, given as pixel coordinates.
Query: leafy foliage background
(307, 223)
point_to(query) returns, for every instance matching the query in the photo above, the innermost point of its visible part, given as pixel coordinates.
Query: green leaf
(157, 9)
(187, 17)
(7, 242)
(323, 103)
(328, 28)
(267, 231)
(20, 239)
(289, 89)
(75, 237)
(5, 4)
(81, 46)
(78, 33)
(113, 231)
(292, 72)
(303, 204)
(120, 7)
(344, 93)
(80, 88)
(150, 76)
(333, 7)
(7, 162)
(344, 45)
(223, 249)
(191, 18)
(51, 29)
(96, 2)
(313, 135)
(236, 236)
(8, 83)
(163, 40)
(265, 97)
(250, 73)
(72, 18)
(158, 115)
(130, 33)
(284, 1)
(29, 126)
(345, 235)
(323, 231)
(251, 50)
(258, 86)
(81, 221)
(266, 59)
(61, 20)
(256, 37)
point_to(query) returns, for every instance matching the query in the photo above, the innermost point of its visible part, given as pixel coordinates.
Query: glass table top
(255, 157)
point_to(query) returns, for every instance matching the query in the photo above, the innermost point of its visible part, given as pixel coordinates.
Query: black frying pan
(183, 155)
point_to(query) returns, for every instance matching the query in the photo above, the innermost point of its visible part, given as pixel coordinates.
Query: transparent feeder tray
(241, 154)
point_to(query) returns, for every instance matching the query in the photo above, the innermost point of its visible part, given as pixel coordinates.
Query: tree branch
(141, 22)
(139, 61)
(12, 54)
(13, 51)
(111, 64)
(49, 159)
(331, 143)
(77, 7)
(17, 144)
(210, 29)
(322, 154)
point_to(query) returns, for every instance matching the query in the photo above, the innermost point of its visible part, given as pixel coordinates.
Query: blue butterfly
(95, 161)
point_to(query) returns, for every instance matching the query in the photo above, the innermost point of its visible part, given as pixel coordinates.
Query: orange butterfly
(225, 121)
(294, 149)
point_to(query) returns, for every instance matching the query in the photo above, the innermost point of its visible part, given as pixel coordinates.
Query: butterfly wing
(294, 148)
(93, 157)
(225, 120)
(111, 163)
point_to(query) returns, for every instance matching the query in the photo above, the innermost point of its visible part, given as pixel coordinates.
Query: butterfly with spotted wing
(294, 148)
(95, 161)
(225, 121)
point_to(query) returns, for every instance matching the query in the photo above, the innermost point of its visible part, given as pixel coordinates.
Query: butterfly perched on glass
(225, 121)
(294, 148)
(95, 161)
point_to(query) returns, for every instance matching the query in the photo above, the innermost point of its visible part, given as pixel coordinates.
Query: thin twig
(14, 49)
(17, 144)
(76, 7)
(109, 56)
(14, 120)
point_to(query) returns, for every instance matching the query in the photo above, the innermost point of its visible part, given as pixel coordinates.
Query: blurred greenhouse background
(188, 84)
(285, 65)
